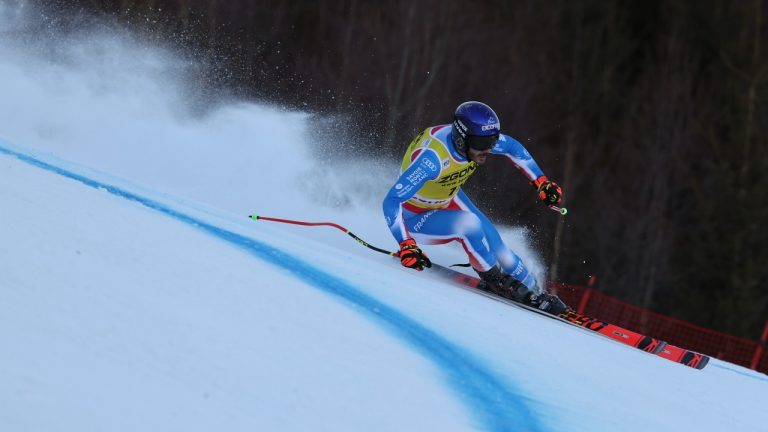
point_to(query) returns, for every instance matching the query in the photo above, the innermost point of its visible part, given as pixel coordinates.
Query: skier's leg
(443, 226)
(526, 290)
(508, 260)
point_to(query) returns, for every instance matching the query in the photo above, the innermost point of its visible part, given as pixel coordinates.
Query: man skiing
(427, 203)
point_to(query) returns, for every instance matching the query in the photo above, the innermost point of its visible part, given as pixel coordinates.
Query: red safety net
(749, 353)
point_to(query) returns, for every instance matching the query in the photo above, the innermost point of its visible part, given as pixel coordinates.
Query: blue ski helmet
(475, 126)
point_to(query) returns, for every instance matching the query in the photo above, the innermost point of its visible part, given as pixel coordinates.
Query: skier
(427, 203)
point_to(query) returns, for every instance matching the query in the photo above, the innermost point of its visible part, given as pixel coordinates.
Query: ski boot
(547, 302)
(505, 285)
(498, 282)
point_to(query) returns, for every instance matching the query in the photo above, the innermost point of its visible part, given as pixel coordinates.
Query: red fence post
(760, 346)
(584, 300)
(587, 294)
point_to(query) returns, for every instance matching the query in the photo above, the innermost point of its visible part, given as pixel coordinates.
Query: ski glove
(549, 192)
(412, 257)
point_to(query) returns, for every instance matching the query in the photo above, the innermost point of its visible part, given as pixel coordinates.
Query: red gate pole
(760, 347)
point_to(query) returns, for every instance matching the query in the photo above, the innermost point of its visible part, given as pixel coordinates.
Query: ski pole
(562, 210)
(330, 224)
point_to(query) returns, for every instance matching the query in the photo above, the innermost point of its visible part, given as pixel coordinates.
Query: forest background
(651, 114)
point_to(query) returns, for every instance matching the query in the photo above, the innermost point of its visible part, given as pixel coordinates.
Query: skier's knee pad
(469, 225)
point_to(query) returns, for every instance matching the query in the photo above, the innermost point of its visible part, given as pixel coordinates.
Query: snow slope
(136, 295)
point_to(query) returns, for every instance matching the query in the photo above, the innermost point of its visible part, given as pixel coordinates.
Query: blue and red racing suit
(427, 203)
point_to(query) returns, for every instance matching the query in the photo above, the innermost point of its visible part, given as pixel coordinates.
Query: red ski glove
(412, 257)
(549, 192)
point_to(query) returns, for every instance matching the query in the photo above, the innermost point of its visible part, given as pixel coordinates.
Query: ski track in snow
(493, 401)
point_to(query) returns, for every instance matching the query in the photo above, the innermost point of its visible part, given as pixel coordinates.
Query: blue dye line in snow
(751, 374)
(493, 402)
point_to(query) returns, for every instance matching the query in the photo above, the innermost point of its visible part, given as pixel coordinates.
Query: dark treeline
(651, 114)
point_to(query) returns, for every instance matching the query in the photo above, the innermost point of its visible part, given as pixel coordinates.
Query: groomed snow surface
(136, 295)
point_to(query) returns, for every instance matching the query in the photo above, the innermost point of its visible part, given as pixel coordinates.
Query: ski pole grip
(562, 210)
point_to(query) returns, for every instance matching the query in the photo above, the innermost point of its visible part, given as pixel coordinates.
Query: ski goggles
(481, 143)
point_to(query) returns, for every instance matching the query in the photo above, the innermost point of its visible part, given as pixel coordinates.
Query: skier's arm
(518, 155)
(549, 192)
(425, 167)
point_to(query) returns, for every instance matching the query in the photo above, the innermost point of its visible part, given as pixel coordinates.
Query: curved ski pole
(330, 224)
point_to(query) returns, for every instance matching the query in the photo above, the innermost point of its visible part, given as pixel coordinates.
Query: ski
(636, 340)
(619, 334)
